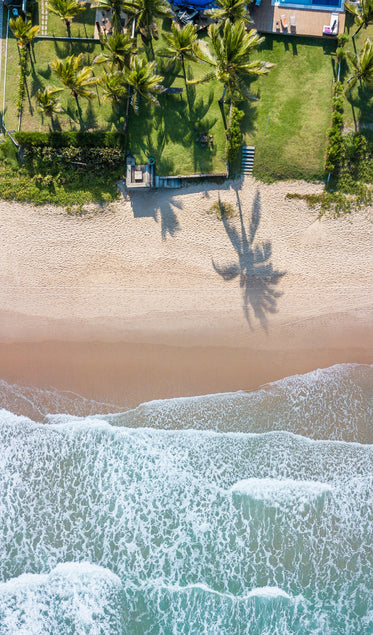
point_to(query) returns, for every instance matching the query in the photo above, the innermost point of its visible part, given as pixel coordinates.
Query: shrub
(98, 139)
(222, 210)
(234, 135)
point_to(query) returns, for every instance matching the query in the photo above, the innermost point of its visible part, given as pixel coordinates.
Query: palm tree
(181, 44)
(143, 81)
(363, 13)
(66, 10)
(77, 78)
(363, 65)
(116, 7)
(113, 88)
(47, 103)
(231, 10)
(144, 12)
(118, 50)
(230, 59)
(23, 31)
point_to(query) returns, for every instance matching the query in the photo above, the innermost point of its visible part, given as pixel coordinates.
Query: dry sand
(155, 297)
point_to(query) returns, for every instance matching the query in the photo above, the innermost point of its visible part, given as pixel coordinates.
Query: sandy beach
(155, 297)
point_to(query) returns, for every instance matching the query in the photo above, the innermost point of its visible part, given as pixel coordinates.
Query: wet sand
(155, 297)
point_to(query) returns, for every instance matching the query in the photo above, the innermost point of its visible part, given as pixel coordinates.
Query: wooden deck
(267, 19)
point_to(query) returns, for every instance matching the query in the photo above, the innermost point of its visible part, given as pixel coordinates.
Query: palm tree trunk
(68, 27)
(357, 31)
(79, 110)
(186, 84)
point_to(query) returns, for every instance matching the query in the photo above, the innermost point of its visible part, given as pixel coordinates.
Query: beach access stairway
(247, 163)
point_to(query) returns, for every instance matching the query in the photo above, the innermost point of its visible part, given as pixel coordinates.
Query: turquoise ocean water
(232, 513)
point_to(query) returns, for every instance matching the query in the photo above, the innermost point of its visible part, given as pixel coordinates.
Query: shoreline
(155, 297)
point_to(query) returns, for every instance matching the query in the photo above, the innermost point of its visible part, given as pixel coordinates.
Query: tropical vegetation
(362, 12)
(66, 10)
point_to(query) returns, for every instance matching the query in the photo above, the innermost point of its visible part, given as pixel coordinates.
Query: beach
(154, 296)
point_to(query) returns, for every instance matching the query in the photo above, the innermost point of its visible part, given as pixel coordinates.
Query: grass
(82, 26)
(288, 125)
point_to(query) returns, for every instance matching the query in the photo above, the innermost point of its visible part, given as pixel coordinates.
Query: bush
(234, 134)
(99, 139)
(222, 210)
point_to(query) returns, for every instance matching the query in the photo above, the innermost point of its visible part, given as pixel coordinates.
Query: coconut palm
(113, 88)
(118, 50)
(77, 78)
(143, 81)
(116, 7)
(47, 102)
(66, 10)
(23, 31)
(363, 66)
(231, 10)
(181, 44)
(363, 13)
(144, 12)
(229, 56)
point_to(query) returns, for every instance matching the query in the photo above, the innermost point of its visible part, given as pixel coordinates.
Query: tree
(47, 102)
(231, 10)
(363, 65)
(77, 78)
(363, 13)
(143, 82)
(118, 50)
(113, 88)
(229, 56)
(181, 44)
(116, 7)
(23, 31)
(66, 10)
(144, 12)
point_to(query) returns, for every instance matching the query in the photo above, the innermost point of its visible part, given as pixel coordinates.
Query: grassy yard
(82, 26)
(287, 125)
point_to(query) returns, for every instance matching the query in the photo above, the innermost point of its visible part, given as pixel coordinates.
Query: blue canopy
(195, 4)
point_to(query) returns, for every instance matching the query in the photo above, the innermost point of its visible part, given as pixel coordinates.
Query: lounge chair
(293, 24)
(284, 22)
(332, 29)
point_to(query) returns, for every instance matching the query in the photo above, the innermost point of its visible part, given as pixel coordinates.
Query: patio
(308, 22)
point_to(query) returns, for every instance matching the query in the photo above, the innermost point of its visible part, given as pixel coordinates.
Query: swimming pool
(320, 5)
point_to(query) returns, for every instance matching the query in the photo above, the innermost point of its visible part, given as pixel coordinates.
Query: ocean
(233, 513)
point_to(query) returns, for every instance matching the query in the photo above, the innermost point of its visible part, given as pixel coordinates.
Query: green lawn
(82, 26)
(288, 125)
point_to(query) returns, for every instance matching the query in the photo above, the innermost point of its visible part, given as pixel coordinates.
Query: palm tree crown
(118, 50)
(23, 31)
(230, 57)
(143, 81)
(181, 43)
(66, 10)
(77, 78)
(47, 103)
(363, 66)
(231, 10)
(363, 13)
(144, 11)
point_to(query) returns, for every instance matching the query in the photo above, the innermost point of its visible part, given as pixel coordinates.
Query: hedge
(99, 139)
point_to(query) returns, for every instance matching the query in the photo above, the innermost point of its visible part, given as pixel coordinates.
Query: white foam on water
(148, 502)
(285, 491)
(72, 597)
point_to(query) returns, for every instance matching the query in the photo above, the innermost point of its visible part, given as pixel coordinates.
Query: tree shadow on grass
(253, 266)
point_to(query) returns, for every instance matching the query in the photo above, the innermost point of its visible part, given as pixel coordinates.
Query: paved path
(44, 18)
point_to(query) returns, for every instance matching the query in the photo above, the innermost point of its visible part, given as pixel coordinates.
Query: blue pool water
(312, 4)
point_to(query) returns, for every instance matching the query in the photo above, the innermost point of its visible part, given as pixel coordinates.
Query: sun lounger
(332, 29)
(293, 24)
(284, 22)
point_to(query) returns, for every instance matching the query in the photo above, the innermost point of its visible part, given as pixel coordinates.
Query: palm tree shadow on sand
(258, 279)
